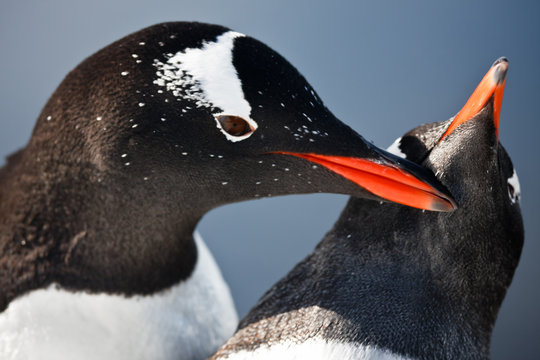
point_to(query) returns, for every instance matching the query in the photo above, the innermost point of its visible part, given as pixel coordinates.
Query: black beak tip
(501, 67)
(502, 59)
(447, 205)
(446, 202)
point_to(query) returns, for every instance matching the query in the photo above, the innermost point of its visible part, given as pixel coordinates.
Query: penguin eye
(512, 194)
(234, 125)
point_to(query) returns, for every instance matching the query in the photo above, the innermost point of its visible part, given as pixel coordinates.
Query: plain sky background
(382, 67)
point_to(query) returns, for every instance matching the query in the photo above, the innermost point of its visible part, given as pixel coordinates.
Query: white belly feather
(189, 320)
(316, 349)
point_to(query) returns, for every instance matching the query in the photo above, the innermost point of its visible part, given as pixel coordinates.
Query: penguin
(98, 257)
(390, 282)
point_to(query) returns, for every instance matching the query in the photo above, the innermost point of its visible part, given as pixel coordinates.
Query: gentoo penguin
(97, 254)
(389, 282)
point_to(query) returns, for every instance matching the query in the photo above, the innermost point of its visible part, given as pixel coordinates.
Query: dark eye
(234, 125)
(511, 191)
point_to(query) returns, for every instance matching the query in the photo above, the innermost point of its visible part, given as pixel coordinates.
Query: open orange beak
(491, 87)
(391, 181)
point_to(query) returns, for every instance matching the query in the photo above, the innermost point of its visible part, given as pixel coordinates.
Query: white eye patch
(395, 148)
(207, 76)
(514, 190)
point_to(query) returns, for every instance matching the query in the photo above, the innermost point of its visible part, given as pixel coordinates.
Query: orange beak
(491, 86)
(385, 180)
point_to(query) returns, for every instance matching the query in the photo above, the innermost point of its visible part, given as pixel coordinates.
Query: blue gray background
(382, 67)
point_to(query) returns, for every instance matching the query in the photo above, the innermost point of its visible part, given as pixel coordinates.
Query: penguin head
(467, 157)
(467, 146)
(222, 117)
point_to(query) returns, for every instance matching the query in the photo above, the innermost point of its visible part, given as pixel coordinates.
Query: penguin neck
(87, 231)
(469, 260)
(461, 276)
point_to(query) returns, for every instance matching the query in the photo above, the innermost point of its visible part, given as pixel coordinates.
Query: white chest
(188, 321)
(316, 349)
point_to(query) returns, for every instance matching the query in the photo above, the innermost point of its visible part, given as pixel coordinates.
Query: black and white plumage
(97, 212)
(390, 282)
